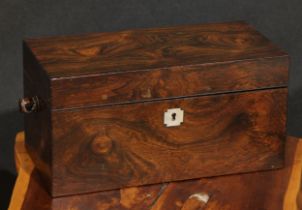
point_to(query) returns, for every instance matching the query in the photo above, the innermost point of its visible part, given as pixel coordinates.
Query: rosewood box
(136, 107)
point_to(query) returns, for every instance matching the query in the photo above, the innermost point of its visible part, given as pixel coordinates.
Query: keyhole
(174, 116)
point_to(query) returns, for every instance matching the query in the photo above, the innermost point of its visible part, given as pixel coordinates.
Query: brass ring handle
(29, 105)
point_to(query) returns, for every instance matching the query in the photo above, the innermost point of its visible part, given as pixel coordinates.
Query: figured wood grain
(104, 96)
(179, 81)
(149, 64)
(138, 50)
(107, 148)
(261, 190)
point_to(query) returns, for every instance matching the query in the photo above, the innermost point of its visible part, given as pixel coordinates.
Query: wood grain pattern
(128, 145)
(180, 81)
(260, 190)
(104, 96)
(150, 64)
(138, 50)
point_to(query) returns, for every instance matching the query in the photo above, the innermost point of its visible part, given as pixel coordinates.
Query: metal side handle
(29, 105)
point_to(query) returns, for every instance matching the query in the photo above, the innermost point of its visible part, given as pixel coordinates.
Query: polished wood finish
(138, 50)
(140, 65)
(270, 190)
(128, 145)
(103, 97)
(177, 82)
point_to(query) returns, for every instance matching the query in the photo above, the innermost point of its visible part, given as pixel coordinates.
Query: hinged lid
(152, 64)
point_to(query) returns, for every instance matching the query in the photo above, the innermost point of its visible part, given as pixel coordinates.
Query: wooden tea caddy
(112, 110)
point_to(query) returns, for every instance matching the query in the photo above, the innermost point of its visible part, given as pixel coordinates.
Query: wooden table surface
(270, 190)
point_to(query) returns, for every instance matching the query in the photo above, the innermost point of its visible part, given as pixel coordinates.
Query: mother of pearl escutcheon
(173, 117)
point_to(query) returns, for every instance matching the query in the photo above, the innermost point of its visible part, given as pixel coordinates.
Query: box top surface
(145, 49)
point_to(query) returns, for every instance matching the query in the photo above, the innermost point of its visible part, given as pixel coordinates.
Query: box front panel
(109, 147)
(168, 83)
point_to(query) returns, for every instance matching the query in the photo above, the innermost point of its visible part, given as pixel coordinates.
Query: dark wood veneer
(147, 64)
(138, 50)
(270, 190)
(182, 81)
(128, 145)
(104, 96)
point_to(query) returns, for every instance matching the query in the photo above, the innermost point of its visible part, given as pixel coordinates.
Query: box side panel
(128, 145)
(181, 81)
(37, 124)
